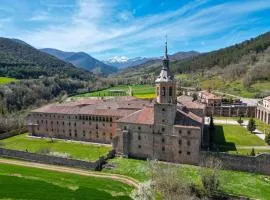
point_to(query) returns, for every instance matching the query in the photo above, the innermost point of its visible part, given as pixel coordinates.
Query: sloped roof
(187, 118)
(144, 116)
(96, 107)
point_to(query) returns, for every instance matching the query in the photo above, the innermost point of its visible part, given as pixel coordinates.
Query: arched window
(170, 91)
(163, 92)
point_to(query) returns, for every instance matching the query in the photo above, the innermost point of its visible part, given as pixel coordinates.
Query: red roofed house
(136, 128)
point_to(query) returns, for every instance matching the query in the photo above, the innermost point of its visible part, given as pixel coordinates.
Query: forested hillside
(22, 61)
(242, 69)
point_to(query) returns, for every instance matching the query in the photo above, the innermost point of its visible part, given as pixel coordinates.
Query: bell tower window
(170, 91)
(163, 92)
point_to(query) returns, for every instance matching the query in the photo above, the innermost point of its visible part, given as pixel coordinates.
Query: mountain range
(82, 60)
(20, 60)
(122, 62)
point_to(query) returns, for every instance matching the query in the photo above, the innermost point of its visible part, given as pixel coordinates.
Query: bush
(210, 175)
(252, 153)
(267, 138)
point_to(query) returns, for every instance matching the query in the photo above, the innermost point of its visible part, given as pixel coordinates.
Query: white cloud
(95, 26)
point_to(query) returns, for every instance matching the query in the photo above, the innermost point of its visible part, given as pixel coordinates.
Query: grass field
(17, 182)
(76, 150)
(230, 87)
(236, 139)
(233, 182)
(140, 91)
(263, 127)
(6, 80)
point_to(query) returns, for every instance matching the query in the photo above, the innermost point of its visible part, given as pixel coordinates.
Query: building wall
(179, 144)
(77, 127)
(263, 113)
(229, 111)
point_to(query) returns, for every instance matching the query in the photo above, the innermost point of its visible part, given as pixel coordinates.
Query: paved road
(124, 179)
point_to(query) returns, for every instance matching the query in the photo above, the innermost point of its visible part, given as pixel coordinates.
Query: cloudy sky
(133, 28)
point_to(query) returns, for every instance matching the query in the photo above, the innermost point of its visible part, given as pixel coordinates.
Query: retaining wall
(258, 164)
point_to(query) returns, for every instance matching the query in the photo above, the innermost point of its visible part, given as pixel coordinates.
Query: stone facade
(263, 110)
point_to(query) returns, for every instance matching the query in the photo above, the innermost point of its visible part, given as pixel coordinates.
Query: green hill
(242, 69)
(22, 61)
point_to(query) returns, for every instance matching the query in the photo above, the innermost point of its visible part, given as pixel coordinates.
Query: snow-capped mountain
(123, 61)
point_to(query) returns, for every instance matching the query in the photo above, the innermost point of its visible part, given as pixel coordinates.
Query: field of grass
(140, 91)
(237, 139)
(263, 127)
(76, 150)
(230, 87)
(6, 80)
(233, 182)
(18, 182)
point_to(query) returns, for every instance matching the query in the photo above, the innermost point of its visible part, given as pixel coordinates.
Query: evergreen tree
(252, 153)
(211, 131)
(251, 125)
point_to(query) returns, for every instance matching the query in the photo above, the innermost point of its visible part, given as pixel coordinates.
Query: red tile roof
(187, 101)
(144, 116)
(110, 107)
(209, 95)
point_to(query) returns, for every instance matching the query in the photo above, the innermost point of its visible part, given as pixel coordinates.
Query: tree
(165, 183)
(211, 129)
(240, 121)
(210, 175)
(194, 97)
(251, 125)
(252, 153)
(267, 138)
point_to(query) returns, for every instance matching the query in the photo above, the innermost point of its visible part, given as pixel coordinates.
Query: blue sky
(133, 28)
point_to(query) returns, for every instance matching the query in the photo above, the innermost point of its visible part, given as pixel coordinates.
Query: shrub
(267, 138)
(251, 125)
(210, 175)
(252, 153)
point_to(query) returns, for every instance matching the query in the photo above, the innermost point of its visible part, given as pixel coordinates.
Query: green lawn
(18, 182)
(76, 150)
(140, 91)
(237, 140)
(259, 124)
(233, 182)
(6, 80)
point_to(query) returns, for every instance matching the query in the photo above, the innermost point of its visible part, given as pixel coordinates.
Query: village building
(136, 128)
(263, 110)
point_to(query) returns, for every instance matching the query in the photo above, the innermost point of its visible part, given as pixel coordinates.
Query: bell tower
(165, 106)
(165, 83)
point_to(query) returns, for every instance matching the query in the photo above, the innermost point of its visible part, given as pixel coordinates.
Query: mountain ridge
(20, 60)
(82, 60)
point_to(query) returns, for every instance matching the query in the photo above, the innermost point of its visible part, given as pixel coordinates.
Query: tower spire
(166, 49)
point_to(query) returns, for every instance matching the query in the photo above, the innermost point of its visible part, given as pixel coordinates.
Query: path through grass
(18, 182)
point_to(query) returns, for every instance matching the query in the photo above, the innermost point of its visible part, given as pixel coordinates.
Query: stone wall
(258, 164)
(7, 135)
(46, 159)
